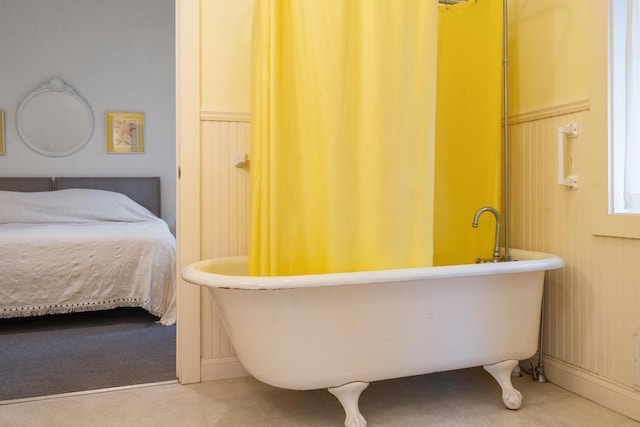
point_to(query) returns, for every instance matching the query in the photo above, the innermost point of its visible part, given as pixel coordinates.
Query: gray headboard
(143, 190)
(26, 184)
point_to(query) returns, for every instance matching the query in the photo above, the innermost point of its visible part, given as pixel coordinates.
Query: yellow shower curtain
(343, 107)
(468, 129)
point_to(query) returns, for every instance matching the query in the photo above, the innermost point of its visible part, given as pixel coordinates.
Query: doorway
(131, 44)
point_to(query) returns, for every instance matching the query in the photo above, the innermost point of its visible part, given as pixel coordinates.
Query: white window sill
(619, 225)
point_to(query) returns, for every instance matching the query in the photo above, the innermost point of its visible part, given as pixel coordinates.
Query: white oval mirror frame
(54, 120)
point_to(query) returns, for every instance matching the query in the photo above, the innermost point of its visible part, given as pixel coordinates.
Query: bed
(83, 244)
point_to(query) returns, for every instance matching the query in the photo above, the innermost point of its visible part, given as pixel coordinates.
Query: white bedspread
(61, 267)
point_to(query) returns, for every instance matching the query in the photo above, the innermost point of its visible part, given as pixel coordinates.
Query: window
(616, 215)
(624, 107)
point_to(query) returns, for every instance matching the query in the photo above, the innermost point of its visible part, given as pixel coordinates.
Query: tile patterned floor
(468, 397)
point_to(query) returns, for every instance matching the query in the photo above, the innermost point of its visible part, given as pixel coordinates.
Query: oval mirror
(54, 120)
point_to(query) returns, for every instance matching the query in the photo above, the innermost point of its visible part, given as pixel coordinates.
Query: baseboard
(620, 399)
(219, 368)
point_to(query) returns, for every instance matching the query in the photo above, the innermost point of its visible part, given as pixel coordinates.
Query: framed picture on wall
(1, 132)
(125, 132)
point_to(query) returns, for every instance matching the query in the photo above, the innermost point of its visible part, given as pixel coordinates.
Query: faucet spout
(476, 218)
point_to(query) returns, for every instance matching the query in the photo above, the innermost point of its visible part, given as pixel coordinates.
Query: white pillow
(72, 205)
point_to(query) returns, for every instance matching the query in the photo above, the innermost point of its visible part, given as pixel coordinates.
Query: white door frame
(188, 185)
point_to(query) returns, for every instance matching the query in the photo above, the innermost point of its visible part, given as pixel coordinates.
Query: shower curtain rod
(452, 1)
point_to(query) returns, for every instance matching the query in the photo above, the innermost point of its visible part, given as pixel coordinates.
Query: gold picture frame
(125, 132)
(1, 132)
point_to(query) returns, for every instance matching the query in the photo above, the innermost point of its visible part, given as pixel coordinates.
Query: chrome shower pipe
(538, 372)
(451, 1)
(505, 105)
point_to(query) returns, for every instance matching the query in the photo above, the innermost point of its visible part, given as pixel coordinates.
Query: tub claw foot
(348, 396)
(502, 373)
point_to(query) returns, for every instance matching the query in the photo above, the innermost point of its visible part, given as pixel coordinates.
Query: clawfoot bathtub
(342, 331)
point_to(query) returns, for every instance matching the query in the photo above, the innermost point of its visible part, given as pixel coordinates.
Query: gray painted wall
(119, 55)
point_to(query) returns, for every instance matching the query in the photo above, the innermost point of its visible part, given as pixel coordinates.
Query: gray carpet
(83, 351)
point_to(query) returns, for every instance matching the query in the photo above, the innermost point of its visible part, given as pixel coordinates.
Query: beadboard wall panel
(592, 306)
(225, 211)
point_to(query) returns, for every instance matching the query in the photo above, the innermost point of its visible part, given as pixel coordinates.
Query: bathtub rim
(526, 261)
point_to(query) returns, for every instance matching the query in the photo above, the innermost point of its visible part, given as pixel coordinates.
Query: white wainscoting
(225, 222)
(592, 306)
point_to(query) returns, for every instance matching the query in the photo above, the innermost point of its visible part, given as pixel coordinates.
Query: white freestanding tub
(342, 331)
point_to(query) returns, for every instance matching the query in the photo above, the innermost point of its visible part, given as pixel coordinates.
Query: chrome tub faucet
(476, 218)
